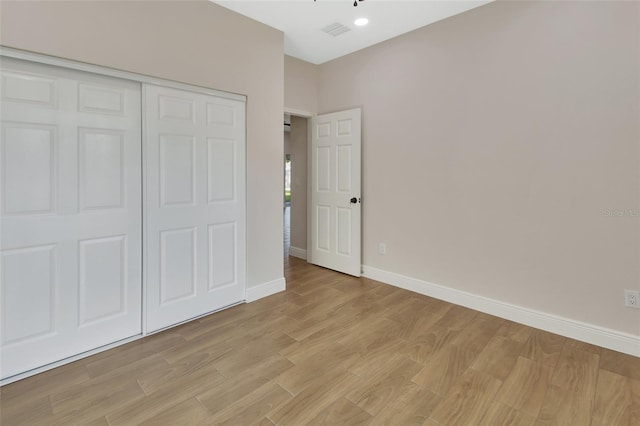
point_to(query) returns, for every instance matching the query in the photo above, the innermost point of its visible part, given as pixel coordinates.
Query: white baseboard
(298, 252)
(604, 337)
(265, 289)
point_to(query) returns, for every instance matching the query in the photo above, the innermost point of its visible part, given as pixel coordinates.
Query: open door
(335, 191)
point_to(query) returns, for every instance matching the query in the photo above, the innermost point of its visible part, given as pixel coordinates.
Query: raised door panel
(29, 88)
(28, 294)
(344, 220)
(101, 100)
(323, 228)
(177, 169)
(29, 165)
(177, 265)
(103, 278)
(220, 114)
(222, 256)
(323, 169)
(176, 108)
(102, 168)
(221, 158)
(343, 169)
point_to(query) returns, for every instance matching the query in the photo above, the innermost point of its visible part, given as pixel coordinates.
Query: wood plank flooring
(337, 350)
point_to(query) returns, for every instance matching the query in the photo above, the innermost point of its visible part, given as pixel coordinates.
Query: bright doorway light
(361, 22)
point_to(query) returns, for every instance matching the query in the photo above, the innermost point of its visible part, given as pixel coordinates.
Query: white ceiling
(302, 21)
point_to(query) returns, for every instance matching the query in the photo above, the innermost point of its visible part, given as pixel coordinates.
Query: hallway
(287, 230)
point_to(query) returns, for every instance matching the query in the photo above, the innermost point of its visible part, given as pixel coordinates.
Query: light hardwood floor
(337, 350)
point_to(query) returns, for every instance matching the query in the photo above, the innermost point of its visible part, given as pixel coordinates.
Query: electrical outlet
(383, 248)
(632, 299)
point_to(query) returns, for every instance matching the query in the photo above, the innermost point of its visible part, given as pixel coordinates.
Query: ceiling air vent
(335, 29)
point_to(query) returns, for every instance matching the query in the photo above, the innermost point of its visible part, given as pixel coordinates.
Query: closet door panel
(70, 213)
(195, 204)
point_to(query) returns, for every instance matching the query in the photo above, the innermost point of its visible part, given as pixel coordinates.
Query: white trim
(590, 333)
(298, 252)
(99, 69)
(299, 112)
(266, 289)
(144, 213)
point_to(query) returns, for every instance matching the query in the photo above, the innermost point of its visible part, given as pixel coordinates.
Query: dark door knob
(354, 200)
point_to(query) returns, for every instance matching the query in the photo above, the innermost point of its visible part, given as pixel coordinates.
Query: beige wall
(299, 182)
(494, 142)
(301, 86)
(194, 42)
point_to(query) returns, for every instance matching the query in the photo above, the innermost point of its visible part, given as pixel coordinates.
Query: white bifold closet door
(70, 213)
(195, 198)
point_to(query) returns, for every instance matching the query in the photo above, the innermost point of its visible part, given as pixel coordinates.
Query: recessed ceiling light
(361, 21)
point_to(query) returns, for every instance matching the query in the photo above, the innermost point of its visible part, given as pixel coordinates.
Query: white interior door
(335, 191)
(195, 204)
(71, 213)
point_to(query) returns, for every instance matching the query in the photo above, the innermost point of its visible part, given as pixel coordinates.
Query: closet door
(195, 204)
(71, 213)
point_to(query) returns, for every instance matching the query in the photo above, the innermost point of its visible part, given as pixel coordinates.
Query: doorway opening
(295, 187)
(287, 203)
(323, 211)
